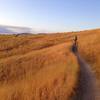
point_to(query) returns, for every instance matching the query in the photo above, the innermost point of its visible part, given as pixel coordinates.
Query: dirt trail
(87, 89)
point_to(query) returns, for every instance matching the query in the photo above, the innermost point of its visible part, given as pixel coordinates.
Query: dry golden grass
(89, 46)
(42, 67)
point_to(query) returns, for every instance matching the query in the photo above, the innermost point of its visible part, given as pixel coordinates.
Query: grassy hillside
(42, 66)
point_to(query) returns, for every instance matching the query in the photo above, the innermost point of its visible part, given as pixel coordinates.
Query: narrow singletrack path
(86, 89)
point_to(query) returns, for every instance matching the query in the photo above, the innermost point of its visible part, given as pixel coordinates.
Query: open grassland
(42, 66)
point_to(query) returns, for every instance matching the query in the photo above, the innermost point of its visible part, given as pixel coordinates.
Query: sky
(51, 15)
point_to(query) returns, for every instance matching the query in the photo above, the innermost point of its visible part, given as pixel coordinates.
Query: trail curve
(86, 89)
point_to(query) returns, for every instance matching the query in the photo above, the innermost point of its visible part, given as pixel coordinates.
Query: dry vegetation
(42, 66)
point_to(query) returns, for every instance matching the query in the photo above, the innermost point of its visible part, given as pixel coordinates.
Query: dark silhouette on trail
(86, 89)
(75, 45)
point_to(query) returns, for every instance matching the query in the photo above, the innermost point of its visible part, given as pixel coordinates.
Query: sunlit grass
(42, 67)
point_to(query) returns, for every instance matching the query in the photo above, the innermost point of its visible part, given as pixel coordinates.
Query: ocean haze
(8, 29)
(14, 29)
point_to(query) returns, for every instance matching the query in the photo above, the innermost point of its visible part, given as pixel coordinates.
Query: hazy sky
(51, 15)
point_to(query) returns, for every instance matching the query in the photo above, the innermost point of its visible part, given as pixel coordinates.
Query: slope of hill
(42, 66)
